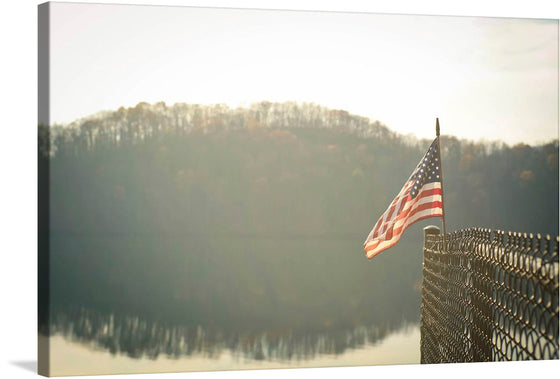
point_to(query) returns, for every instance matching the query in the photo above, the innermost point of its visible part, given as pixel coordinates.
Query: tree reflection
(140, 338)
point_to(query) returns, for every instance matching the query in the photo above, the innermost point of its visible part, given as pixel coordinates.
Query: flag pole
(441, 174)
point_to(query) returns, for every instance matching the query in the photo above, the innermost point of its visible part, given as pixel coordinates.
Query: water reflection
(140, 338)
(267, 300)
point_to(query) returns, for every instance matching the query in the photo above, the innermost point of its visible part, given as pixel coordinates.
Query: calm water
(194, 303)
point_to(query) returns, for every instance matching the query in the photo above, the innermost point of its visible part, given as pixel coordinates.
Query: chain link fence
(488, 295)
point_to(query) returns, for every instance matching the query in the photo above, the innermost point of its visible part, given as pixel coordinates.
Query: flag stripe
(395, 240)
(389, 214)
(402, 204)
(422, 197)
(418, 217)
(401, 227)
(381, 244)
(419, 207)
(424, 203)
(383, 218)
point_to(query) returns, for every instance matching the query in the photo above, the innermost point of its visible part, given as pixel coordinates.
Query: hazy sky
(485, 78)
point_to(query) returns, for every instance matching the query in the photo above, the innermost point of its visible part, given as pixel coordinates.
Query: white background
(18, 193)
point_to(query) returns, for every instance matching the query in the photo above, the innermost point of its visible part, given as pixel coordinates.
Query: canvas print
(229, 189)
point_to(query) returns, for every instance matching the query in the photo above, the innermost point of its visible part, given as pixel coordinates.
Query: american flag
(420, 198)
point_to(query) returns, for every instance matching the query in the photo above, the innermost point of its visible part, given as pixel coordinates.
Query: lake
(146, 303)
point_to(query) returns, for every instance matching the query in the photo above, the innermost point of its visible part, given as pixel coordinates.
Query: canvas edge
(43, 193)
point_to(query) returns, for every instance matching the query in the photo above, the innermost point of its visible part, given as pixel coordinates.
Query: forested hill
(326, 171)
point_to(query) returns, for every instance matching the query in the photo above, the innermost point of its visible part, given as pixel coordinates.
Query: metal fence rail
(488, 295)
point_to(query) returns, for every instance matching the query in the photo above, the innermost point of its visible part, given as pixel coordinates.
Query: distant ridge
(144, 119)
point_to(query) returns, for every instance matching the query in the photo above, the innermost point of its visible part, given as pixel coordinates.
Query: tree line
(133, 125)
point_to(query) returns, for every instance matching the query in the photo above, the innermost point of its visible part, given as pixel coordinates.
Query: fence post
(426, 340)
(431, 229)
